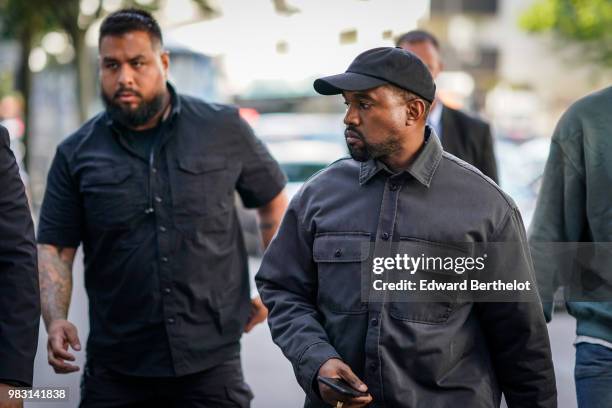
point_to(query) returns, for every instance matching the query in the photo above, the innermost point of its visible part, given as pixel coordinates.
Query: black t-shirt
(142, 141)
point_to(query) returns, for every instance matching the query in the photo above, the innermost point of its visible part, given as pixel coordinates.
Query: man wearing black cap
(399, 188)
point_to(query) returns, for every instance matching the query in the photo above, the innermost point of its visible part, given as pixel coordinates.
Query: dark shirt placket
(385, 235)
(163, 232)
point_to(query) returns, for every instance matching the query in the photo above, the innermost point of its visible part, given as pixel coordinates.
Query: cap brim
(348, 81)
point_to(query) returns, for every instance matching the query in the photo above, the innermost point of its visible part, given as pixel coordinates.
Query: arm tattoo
(55, 274)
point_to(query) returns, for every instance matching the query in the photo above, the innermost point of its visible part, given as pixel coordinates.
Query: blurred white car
(303, 144)
(300, 159)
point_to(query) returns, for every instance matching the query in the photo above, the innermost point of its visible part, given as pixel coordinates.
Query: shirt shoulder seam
(472, 169)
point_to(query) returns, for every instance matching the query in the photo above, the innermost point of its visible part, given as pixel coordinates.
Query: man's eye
(137, 64)
(365, 105)
(111, 65)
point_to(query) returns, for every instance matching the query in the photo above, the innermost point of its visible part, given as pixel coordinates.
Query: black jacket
(19, 293)
(469, 139)
(410, 353)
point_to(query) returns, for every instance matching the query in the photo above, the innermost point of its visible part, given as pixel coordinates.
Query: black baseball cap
(380, 66)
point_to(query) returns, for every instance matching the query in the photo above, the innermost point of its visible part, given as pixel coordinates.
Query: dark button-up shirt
(165, 263)
(19, 296)
(410, 354)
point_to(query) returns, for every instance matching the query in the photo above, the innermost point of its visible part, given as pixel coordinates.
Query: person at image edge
(19, 295)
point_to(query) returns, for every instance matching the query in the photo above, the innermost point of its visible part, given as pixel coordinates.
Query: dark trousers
(222, 386)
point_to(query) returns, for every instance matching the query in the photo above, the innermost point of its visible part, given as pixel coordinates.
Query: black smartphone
(341, 387)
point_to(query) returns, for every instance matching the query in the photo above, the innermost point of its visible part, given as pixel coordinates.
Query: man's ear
(415, 111)
(165, 60)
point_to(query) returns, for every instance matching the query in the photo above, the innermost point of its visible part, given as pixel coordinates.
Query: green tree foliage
(26, 21)
(586, 23)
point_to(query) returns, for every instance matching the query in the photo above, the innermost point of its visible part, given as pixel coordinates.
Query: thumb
(73, 337)
(349, 376)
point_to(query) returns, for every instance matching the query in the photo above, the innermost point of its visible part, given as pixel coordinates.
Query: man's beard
(369, 151)
(133, 118)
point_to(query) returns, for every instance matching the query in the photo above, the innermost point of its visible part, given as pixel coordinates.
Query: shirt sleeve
(261, 178)
(61, 214)
(19, 292)
(559, 217)
(516, 331)
(287, 282)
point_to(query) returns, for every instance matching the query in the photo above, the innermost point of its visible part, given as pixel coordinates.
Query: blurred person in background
(19, 295)
(461, 135)
(400, 186)
(574, 206)
(147, 186)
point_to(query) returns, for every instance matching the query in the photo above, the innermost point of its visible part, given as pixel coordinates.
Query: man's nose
(351, 117)
(126, 75)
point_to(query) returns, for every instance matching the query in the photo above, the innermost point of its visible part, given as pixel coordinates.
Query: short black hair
(417, 36)
(128, 20)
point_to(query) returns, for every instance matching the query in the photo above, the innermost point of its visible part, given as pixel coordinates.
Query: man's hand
(259, 313)
(62, 334)
(5, 401)
(335, 368)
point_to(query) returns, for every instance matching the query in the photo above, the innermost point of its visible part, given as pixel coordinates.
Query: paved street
(266, 369)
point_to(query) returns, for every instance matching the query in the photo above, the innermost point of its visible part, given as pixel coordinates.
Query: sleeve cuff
(58, 238)
(274, 189)
(15, 370)
(309, 364)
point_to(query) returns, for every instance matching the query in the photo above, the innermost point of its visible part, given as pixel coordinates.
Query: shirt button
(158, 199)
(374, 322)
(162, 228)
(167, 291)
(373, 367)
(171, 320)
(338, 253)
(385, 236)
(164, 259)
(154, 170)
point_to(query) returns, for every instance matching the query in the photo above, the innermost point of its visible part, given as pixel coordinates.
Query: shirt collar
(175, 103)
(422, 168)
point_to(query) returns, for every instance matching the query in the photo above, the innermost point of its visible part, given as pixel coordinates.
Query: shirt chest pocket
(340, 262)
(202, 186)
(109, 196)
(433, 262)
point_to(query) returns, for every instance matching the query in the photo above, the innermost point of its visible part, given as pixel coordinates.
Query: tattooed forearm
(55, 274)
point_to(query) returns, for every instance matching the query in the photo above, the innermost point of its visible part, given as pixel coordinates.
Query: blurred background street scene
(515, 63)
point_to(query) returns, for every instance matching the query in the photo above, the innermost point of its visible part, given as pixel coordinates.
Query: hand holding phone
(341, 387)
(337, 383)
